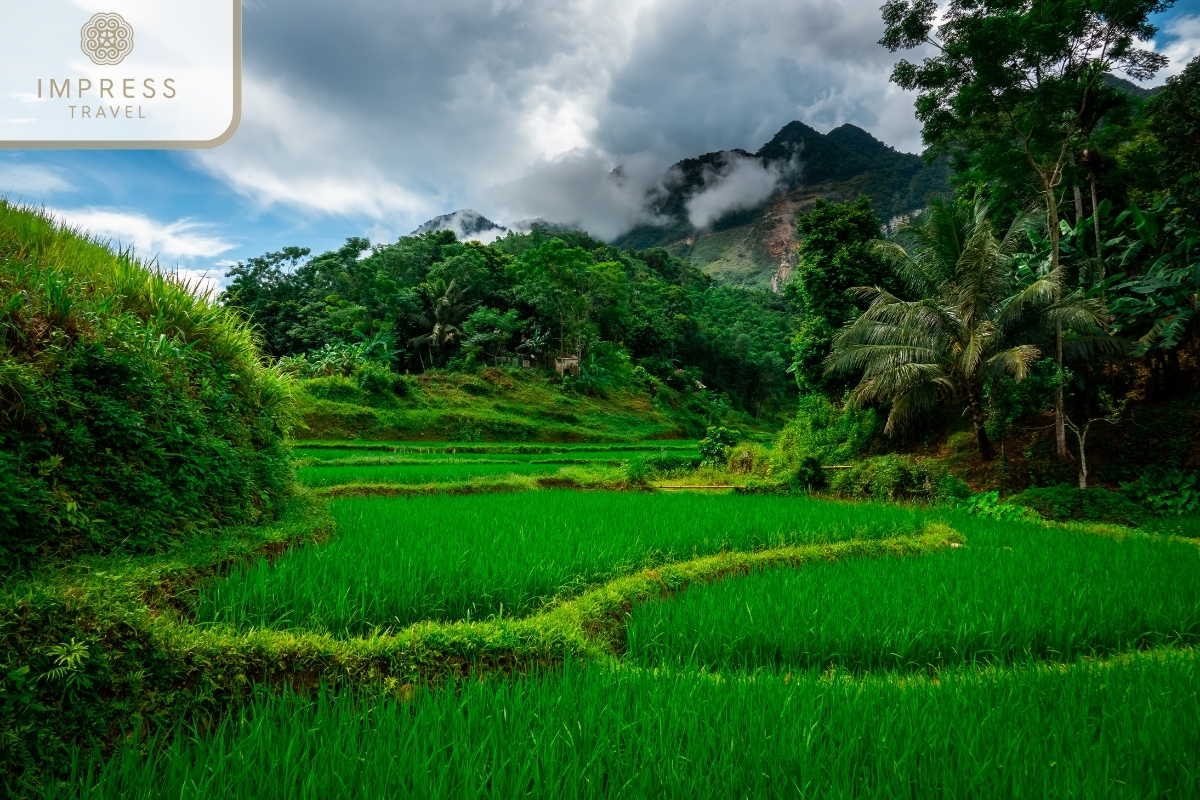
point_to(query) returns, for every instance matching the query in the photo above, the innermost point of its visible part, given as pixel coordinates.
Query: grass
(1016, 592)
(414, 474)
(496, 405)
(439, 449)
(397, 561)
(1094, 729)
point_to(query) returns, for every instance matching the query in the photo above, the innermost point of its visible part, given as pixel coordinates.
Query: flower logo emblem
(106, 39)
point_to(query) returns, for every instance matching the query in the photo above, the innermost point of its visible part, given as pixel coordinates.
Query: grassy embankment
(362, 468)
(495, 405)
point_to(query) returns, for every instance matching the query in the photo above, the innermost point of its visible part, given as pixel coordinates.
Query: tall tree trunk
(1060, 428)
(1077, 192)
(1060, 431)
(1083, 470)
(986, 452)
(1096, 223)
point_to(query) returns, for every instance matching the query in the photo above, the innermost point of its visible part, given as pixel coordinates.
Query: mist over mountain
(722, 212)
(731, 212)
(466, 223)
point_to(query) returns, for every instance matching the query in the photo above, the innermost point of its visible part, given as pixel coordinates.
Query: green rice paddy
(397, 561)
(1032, 661)
(1015, 593)
(414, 474)
(1123, 729)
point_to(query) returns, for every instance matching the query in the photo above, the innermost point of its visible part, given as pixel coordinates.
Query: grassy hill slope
(492, 405)
(131, 411)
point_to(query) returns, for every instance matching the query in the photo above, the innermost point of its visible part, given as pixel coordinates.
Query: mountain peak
(466, 223)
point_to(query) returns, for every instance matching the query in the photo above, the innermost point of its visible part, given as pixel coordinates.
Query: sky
(369, 117)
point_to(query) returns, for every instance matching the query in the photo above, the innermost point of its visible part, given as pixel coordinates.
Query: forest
(430, 302)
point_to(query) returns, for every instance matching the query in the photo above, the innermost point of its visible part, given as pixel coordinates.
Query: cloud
(392, 113)
(1181, 45)
(183, 239)
(737, 182)
(32, 179)
(586, 189)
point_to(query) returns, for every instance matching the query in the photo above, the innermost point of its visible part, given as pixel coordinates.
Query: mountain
(733, 213)
(466, 224)
(752, 240)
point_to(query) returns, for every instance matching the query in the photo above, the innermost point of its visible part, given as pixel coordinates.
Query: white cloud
(587, 189)
(1182, 35)
(736, 183)
(32, 179)
(395, 113)
(183, 239)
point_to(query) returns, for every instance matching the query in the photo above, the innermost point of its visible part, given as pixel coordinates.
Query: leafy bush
(1067, 503)
(132, 410)
(809, 475)
(825, 431)
(712, 446)
(1167, 492)
(891, 477)
(340, 358)
(635, 470)
(664, 463)
(988, 504)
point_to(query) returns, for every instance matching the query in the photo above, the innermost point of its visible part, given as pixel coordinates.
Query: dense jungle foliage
(431, 302)
(1054, 299)
(131, 411)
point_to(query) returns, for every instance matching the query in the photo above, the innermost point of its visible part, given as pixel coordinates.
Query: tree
(488, 332)
(836, 256)
(569, 289)
(441, 322)
(1175, 121)
(970, 324)
(264, 291)
(1017, 82)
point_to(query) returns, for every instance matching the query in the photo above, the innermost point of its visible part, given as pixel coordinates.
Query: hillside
(131, 411)
(756, 246)
(497, 405)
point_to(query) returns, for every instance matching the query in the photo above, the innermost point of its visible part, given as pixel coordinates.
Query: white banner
(120, 73)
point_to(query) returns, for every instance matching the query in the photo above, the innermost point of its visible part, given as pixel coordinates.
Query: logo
(106, 39)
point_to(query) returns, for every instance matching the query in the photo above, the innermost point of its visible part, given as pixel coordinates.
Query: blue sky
(368, 117)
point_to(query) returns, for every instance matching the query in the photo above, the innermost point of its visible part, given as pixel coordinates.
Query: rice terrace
(884, 483)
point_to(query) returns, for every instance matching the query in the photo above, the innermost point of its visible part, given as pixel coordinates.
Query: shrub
(712, 447)
(334, 387)
(131, 410)
(825, 431)
(375, 378)
(891, 477)
(988, 504)
(809, 475)
(1166, 492)
(1067, 503)
(635, 470)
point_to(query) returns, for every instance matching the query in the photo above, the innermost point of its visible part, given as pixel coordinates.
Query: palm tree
(972, 321)
(442, 322)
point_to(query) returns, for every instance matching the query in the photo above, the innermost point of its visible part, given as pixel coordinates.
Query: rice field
(397, 561)
(1016, 593)
(1033, 661)
(1126, 729)
(335, 450)
(335, 474)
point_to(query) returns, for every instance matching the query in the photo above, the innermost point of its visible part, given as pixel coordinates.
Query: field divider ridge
(588, 626)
